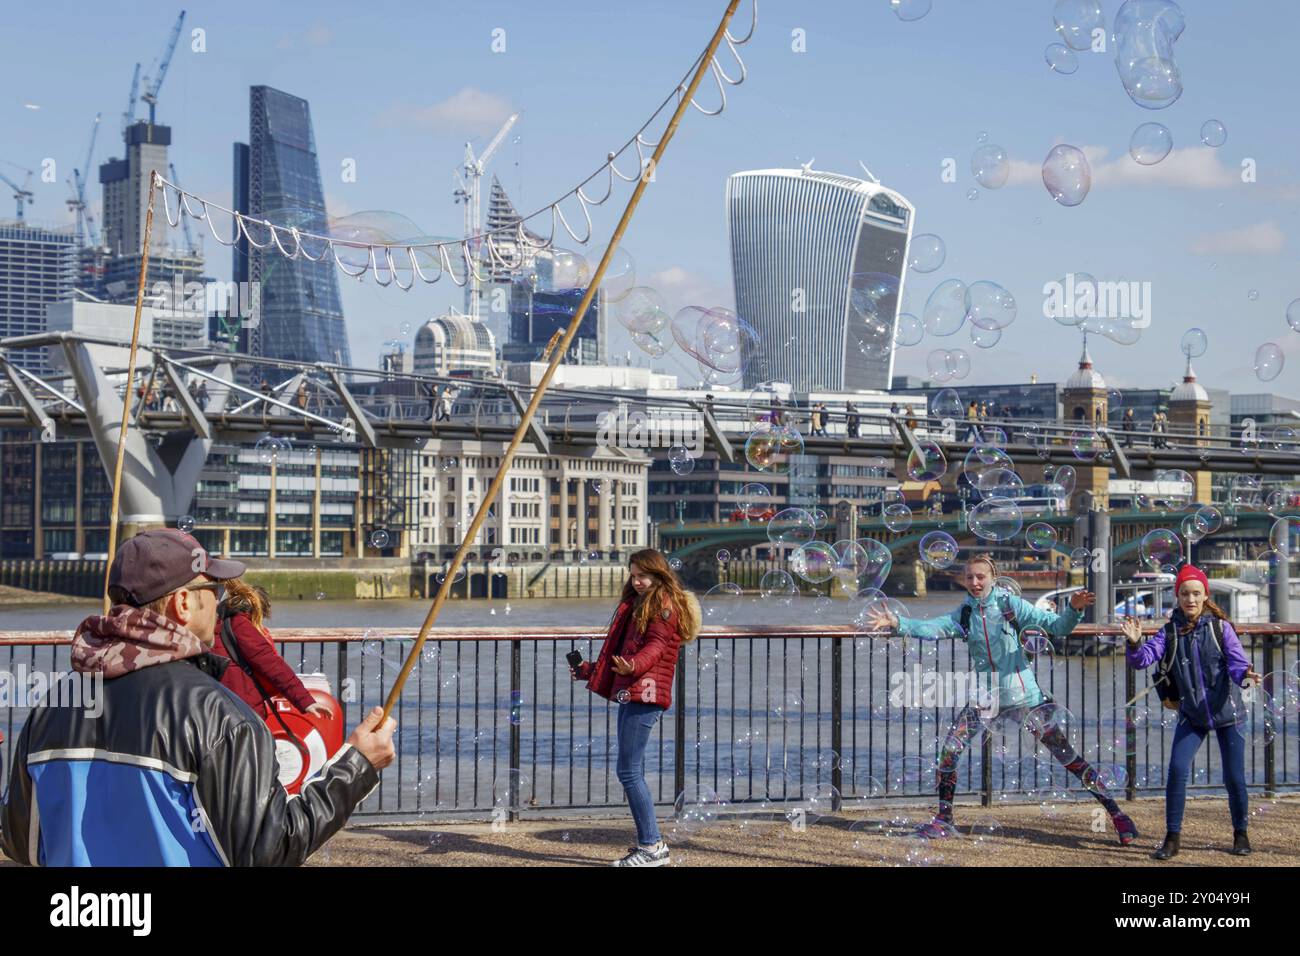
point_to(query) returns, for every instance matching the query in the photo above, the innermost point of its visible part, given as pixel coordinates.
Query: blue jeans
(1232, 750)
(635, 722)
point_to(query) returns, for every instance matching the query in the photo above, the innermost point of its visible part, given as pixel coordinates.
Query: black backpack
(1166, 686)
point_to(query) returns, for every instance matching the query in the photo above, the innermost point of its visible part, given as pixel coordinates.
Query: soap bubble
(1144, 34)
(770, 447)
(655, 345)
(1061, 59)
(909, 9)
(1192, 528)
(1076, 20)
(1035, 640)
(989, 306)
(946, 403)
(1160, 548)
(680, 460)
(721, 602)
(1086, 444)
(1040, 537)
(723, 556)
(982, 457)
(996, 519)
(1244, 491)
(569, 270)
(1150, 143)
(958, 363)
(1268, 362)
(820, 518)
(972, 193)
(908, 330)
(937, 366)
(929, 465)
(792, 526)
(875, 563)
(641, 309)
(1194, 343)
(938, 550)
(814, 562)
(1293, 315)
(272, 448)
(983, 338)
(1252, 294)
(1213, 133)
(185, 523)
(379, 538)
(945, 309)
(989, 166)
(620, 276)
(1284, 536)
(777, 585)
(755, 500)
(1210, 518)
(1080, 558)
(1000, 483)
(927, 253)
(897, 517)
(1065, 478)
(1066, 175)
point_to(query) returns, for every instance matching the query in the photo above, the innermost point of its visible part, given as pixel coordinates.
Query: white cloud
(315, 37)
(1194, 167)
(680, 287)
(1263, 238)
(467, 111)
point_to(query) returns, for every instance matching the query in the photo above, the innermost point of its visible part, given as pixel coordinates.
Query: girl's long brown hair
(250, 600)
(665, 594)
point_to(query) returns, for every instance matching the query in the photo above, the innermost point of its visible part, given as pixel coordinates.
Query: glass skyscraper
(277, 177)
(817, 261)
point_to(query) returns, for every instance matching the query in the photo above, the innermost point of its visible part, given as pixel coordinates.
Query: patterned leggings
(967, 725)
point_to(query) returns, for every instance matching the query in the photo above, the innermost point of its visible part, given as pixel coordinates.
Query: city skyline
(1203, 238)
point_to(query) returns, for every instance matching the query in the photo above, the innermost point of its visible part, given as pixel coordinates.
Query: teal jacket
(993, 644)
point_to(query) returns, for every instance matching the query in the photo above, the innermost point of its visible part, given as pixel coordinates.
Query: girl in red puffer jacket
(637, 662)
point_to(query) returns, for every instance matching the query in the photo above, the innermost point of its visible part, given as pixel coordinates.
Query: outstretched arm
(1059, 625)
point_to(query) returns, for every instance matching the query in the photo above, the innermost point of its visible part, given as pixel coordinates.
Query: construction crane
(468, 193)
(85, 223)
(185, 220)
(129, 116)
(158, 72)
(21, 193)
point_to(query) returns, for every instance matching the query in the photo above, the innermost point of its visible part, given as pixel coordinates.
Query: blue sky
(398, 89)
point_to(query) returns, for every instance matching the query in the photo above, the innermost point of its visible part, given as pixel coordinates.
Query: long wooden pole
(560, 351)
(130, 381)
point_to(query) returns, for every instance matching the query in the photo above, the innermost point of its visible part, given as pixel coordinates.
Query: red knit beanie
(1191, 573)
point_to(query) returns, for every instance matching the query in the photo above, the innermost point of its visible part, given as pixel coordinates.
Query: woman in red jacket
(635, 668)
(246, 607)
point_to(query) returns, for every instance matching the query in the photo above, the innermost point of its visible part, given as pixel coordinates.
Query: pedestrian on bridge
(636, 666)
(990, 621)
(1201, 667)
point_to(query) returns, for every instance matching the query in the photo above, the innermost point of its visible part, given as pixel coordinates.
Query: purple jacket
(1208, 679)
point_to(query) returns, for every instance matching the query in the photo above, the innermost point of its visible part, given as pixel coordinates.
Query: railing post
(837, 719)
(679, 729)
(1130, 732)
(986, 771)
(344, 690)
(1270, 755)
(516, 704)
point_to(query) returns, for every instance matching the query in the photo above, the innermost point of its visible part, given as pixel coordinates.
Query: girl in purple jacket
(1207, 675)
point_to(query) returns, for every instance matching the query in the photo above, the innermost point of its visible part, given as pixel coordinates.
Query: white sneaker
(645, 856)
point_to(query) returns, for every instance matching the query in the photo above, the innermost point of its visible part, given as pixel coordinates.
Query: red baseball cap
(1190, 572)
(157, 562)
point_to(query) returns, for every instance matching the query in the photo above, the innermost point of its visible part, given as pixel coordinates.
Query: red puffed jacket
(653, 655)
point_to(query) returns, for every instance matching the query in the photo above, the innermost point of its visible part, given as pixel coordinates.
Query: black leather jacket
(175, 771)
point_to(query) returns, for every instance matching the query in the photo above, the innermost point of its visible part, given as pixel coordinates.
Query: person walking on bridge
(636, 666)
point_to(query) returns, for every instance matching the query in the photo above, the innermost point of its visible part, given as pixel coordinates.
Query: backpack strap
(1167, 658)
(1008, 612)
(965, 618)
(232, 648)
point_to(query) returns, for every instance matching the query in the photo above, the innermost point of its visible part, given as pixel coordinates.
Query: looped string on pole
(263, 235)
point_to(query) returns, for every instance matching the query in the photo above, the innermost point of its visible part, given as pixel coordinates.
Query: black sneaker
(1240, 843)
(645, 856)
(1170, 848)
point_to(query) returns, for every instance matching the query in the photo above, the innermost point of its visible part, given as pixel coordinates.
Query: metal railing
(490, 722)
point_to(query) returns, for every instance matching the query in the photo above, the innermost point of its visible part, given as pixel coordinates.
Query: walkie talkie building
(817, 262)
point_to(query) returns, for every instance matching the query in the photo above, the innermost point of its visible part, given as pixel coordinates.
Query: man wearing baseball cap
(176, 770)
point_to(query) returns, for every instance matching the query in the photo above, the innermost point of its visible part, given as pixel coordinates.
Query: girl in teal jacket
(988, 621)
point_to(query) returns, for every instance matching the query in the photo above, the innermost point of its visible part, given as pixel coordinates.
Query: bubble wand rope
(561, 350)
(126, 397)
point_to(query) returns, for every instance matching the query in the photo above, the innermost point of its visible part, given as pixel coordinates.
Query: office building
(454, 343)
(817, 263)
(37, 269)
(538, 313)
(298, 314)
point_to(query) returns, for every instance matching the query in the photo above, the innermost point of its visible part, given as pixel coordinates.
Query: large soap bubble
(1144, 35)
(1160, 549)
(945, 309)
(926, 253)
(938, 550)
(814, 562)
(1061, 59)
(792, 526)
(641, 309)
(989, 306)
(1213, 133)
(770, 447)
(929, 465)
(876, 567)
(1269, 360)
(1066, 174)
(620, 276)
(1194, 343)
(1150, 143)
(990, 166)
(908, 330)
(996, 519)
(909, 9)
(947, 404)
(1076, 20)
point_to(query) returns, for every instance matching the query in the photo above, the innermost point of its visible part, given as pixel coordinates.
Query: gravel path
(1020, 836)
